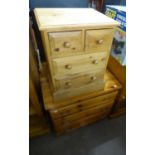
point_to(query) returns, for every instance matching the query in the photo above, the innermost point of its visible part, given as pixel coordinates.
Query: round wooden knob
(67, 44)
(93, 78)
(68, 67)
(103, 59)
(56, 49)
(114, 86)
(95, 62)
(55, 111)
(100, 41)
(68, 84)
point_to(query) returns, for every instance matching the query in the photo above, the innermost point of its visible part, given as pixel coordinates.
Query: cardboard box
(118, 49)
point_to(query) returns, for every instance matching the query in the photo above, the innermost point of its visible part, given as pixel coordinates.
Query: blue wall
(115, 2)
(69, 3)
(58, 3)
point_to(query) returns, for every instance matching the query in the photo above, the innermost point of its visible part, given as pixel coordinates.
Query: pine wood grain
(64, 17)
(78, 64)
(66, 43)
(79, 111)
(111, 85)
(99, 40)
(68, 36)
(120, 73)
(37, 123)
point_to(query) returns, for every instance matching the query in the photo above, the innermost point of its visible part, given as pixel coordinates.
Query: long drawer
(82, 105)
(62, 95)
(85, 121)
(82, 118)
(73, 65)
(79, 80)
(85, 113)
(79, 123)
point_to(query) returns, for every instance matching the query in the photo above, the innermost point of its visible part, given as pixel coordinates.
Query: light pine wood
(68, 36)
(33, 65)
(67, 126)
(99, 40)
(111, 85)
(77, 45)
(85, 121)
(87, 112)
(120, 73)
(34, 81)
(37, 123)
(82, 80)
(64, 17)
(61, 95)
(71, 66)
(79, 111)
(83, 105)
(71, 119)
(66, 43)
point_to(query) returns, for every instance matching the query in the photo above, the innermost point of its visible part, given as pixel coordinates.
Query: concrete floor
(106, 137)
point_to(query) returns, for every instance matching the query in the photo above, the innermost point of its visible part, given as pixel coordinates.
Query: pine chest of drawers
(81, 110)
(77, 43)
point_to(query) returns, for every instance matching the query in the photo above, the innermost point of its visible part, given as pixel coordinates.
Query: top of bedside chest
(60, 17)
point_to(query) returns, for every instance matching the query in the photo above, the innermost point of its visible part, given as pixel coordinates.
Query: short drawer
(78, 80)
(66, 43)
(73, 65)
(83, 105)
(99, 40)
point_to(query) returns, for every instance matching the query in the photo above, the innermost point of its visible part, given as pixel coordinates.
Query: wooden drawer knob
(68, 84)
(103, 59)
(56, 49)
(95, 62)
(66, 44)
(114, 86)
(93, 78)
(100, 41)
(68, 67)
(55, 111)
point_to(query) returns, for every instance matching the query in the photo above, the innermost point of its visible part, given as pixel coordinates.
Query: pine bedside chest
(77, 44)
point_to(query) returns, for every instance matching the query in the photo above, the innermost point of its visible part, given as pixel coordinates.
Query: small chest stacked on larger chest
(77, 44)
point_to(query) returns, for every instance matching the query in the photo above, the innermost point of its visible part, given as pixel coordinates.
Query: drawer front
(64, 95)
(98, 114)
(73, 65)
(89, 112)
(78, 81)
(99, 40)
(68, 126)
(66, 43)
(83, 105)
(80, 117)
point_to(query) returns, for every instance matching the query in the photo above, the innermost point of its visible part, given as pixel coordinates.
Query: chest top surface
(57, 17)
